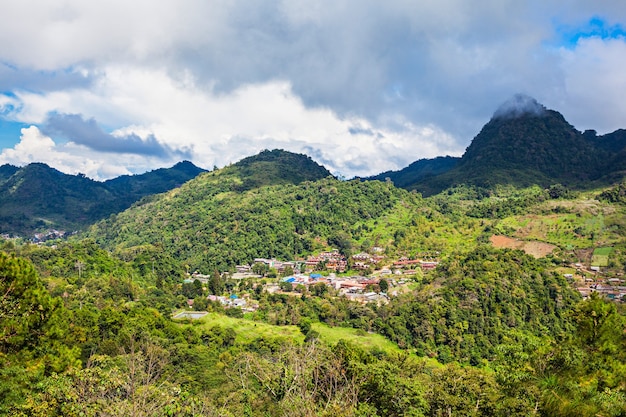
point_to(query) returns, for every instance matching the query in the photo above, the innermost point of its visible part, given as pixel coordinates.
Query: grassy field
(563, 230)
(367, 341)
(248, 330)
(600, 256)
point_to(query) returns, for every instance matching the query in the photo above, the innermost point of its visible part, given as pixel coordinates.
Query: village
(594, 280)
(322, 272)
(376, 281)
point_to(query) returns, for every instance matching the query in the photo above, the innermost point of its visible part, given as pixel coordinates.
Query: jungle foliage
(37, 197)
(86, 325)
(101, 348)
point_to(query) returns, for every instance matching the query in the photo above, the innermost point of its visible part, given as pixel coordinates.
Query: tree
(343, 242)
(599, 325)
(260, 268)
(383, 284)
(34, 331)
(216, 284)
(287, 272)
(462, 391)
(318, 289)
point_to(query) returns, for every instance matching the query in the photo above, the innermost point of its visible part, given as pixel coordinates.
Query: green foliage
(615, 194)
(418, 171)
(530, 149)
(209, 224)
(489, 332)
(37, 197)
(476, 300)
(34, 331)
(383, 285)
(276, 167)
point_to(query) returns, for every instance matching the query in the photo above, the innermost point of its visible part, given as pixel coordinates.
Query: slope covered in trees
(88, 328)
(209, 223)
(103, 349)
(418, 171)
(39, 198)
(523, 144)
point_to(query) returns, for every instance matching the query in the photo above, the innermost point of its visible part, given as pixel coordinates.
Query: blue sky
(9, 131)
(117, 87)
(596, 27)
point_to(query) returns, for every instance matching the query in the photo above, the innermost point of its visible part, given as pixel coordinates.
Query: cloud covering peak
(517, 106)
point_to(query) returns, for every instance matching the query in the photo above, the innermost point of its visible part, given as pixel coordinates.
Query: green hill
(508, 329)
(38, 198)
(418, 171)
(276, 167)
(209, 222)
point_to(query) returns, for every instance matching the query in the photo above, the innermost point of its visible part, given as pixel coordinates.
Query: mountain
(154, 182)
(38, 197)
(276, 167)
(6, 171)
(274, 204)
(525, 143)
(418, 171)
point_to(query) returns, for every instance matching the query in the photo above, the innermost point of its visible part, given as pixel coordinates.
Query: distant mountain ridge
(418, 171)
(524, 144)
(38, 197)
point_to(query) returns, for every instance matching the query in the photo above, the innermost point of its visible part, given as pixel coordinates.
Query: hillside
(491, 330)
(87, 324)
(524, 144)
(217, 222)
(492, 327)
(276, 167)
(153, 182)
(250, 209)
(418, 171)
(209, 223)
(38, 198)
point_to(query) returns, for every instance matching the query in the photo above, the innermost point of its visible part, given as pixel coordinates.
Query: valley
(269, 287)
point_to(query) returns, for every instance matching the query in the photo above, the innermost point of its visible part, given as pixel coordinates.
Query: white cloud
(213, 128)
(595, 82)
(223, 79)
(69, 158)
(32, 147)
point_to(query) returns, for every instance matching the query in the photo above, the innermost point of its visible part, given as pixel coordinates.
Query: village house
(332, 260)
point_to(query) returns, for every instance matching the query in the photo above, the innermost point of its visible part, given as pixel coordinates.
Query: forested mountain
(153, 182)
(496, 325)
(214, 221)
(38, 198)
(418, 171)
(496, 332)
(524, 144)
(276, 167)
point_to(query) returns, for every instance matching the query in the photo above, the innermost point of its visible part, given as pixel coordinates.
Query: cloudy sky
(116, 87)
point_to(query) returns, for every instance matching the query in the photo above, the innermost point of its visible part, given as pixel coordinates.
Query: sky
(117, 87)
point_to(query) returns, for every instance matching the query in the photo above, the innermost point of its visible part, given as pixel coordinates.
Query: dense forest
(89, 327)
(509, 338)
(88, 330)
(37, 198)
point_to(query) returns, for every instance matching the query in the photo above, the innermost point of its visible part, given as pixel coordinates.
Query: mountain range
(37, 197)
(523, 144)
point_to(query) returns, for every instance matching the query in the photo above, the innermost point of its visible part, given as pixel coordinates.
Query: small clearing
(532, 247)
